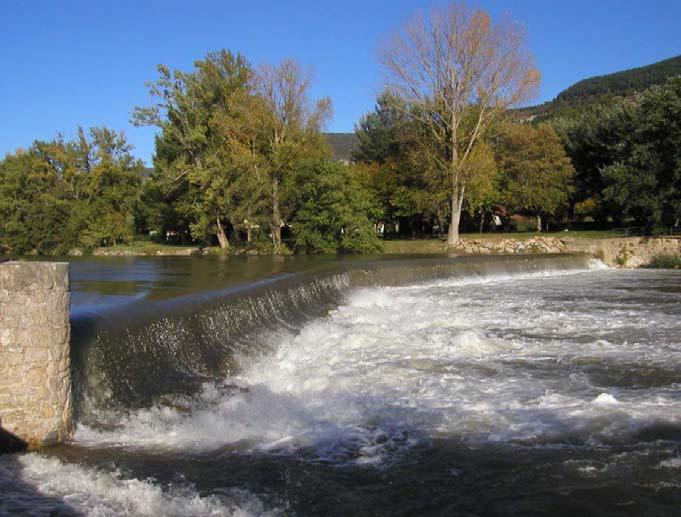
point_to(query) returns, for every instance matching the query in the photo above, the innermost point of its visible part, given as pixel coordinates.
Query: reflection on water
(101, 282)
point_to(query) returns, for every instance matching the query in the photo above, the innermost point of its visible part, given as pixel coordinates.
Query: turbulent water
(454, 387)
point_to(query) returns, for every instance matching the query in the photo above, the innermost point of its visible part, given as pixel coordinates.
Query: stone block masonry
(35, 369)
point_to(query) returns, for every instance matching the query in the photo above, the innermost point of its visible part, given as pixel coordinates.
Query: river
(544, 385)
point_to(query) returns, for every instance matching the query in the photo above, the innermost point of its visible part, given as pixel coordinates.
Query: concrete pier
(35, 377)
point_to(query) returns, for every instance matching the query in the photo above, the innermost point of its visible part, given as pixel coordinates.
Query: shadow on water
(17, 496)
(443, 477)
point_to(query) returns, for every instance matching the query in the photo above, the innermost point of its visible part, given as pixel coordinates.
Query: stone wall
(512, 246)
(618, 252)
(629, 252)
(35, 377)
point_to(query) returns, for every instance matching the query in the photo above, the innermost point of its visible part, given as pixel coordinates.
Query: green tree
(536, 173)
(332, 211)
(590, 140)
(108, 184)
(61, 194)
(644, 179)
(393, 168)
(483, 187)
(196, 171)
(287, 125)
(33, 208)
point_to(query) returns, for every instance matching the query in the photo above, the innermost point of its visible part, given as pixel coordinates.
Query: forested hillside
(342, 145)
(604, 89)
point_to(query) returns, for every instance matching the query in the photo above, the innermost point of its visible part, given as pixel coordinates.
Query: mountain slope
(603, 89)
(342, 144)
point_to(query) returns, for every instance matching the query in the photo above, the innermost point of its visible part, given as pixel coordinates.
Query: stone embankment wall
(621, 252)
(35, 376)
(506, 246)
(628, 252)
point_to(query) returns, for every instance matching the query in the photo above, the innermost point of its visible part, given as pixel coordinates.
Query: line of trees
(513, 167)
(627, 159)
(241, 157)
(64, 194)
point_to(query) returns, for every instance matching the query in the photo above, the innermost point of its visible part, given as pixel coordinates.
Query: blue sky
(69, 63)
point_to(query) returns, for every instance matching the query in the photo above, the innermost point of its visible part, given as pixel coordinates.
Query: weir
(35, 380)
(172, 347)
(219, 386)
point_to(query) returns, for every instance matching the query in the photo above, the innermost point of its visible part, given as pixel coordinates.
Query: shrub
(666, 262)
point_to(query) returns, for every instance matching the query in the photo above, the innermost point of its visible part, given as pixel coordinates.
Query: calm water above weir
(409, 386)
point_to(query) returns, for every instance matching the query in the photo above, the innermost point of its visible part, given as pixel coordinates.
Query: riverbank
(626, 252)
(151, 249)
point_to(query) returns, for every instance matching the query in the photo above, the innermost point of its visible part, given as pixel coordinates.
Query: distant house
(342, 144)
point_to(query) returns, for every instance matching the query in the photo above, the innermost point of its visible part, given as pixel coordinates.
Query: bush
(666, 262)
(332, 212)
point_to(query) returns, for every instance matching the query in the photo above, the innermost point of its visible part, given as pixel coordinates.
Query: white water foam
(35, 485)
(509, 358)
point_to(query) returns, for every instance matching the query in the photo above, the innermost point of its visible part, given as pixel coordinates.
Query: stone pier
(35, 377)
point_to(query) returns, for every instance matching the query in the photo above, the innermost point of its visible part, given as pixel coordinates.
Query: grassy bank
(146, 248)
(390, 246)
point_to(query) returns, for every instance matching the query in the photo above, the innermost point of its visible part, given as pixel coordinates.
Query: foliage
(457, 71)
(61, 194)
(666, 262)
(195, 113)
(391, 169)
(332, 212)
(603, 92)
(537, 174)
(643, 180)
(590, 141)
(483, 187)
(287, 128)
(230, 136)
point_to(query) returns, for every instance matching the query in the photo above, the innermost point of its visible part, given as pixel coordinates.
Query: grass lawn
(145, 248)
(497, 236)
(422, 245)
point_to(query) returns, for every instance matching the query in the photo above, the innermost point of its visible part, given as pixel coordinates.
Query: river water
(545, 385)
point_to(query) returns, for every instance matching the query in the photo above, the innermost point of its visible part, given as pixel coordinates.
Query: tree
(110, 181)
(536, 173)
(381, 133)
(392, 169)
(333, 212)
(644, 179)
(483, 187)
(191, 152)
(456, 72)
(590, 141)
(288, 127)
(61, 194)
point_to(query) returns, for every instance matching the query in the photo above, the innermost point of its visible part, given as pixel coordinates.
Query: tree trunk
(482, 221)
(276, 218)
(248, 234)
(222, 236)
(538, 223)
(453, 236)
